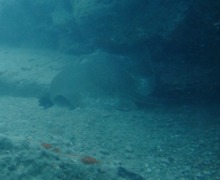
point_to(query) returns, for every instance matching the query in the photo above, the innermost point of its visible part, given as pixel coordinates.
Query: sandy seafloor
(159, 142)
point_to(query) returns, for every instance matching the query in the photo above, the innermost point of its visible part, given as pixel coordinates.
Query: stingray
(99, 77)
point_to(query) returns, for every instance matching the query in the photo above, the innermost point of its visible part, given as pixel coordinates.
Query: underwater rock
(125, 24)
(99, 78)
(122, 172)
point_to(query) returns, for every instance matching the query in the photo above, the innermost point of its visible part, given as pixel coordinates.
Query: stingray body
(99, 77)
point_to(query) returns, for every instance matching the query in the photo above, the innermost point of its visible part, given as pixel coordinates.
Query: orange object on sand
(46, 145)
(89, 160)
